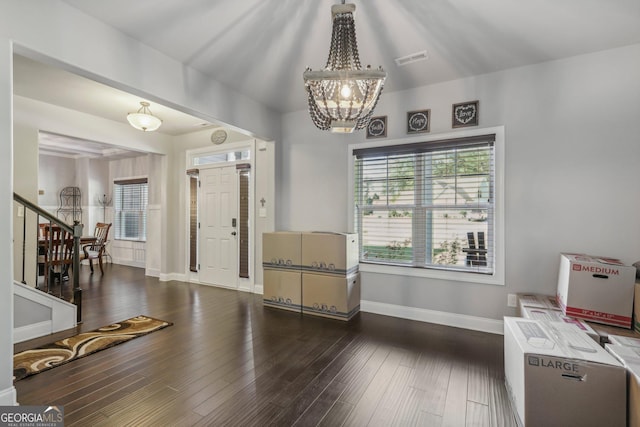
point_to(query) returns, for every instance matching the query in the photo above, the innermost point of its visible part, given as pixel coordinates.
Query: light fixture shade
(342, 96)
(143, 119)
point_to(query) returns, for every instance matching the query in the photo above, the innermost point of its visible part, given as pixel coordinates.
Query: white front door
(218, 226)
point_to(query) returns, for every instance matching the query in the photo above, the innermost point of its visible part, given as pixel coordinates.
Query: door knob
(233, 233)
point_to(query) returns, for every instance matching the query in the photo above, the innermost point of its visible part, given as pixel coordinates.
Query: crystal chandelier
(143, 120)
(342, 96)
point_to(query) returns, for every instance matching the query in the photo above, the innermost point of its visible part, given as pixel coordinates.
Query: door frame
(244, 284)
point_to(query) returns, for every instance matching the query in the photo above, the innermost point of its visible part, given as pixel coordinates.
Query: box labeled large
(283, 289)
(596, 289)
(332, 253)
(282, 249)
(561, 377)
(331, 296)
(630, 358)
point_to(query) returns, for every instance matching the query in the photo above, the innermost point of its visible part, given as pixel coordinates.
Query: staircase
(41, 309)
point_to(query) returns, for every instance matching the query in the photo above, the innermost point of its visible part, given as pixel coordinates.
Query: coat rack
(105, 201)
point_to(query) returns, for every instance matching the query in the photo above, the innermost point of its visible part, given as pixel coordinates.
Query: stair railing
(76, 232)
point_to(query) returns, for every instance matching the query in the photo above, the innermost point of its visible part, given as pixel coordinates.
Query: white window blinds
(130, 209)
(428, 205)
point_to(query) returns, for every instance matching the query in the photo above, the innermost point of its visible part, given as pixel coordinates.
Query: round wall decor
(219, 136)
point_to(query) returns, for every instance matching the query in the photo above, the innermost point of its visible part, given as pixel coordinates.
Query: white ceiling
(261, 47)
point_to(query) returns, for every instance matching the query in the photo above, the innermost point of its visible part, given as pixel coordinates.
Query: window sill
(453, 276)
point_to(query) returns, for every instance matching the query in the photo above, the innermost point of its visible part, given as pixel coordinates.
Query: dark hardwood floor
(229, 361)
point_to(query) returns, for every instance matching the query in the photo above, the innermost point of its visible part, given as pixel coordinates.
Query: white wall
(7, 390)
(572, 173)
(25, 182)
(53, 173)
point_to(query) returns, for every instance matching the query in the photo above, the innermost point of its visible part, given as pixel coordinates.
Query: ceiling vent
(411, 58)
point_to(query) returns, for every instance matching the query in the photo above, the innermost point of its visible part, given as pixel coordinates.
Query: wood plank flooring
(227, 361)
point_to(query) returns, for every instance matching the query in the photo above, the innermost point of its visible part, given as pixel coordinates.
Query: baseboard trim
(152, 272)
(8, 397)
(258, 289)
(167, 277)
(432, 316)
(127, 262)
(40, 329)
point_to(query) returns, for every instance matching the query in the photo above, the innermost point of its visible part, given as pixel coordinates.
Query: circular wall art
(418, 121)
(218, 136)
(377, 127)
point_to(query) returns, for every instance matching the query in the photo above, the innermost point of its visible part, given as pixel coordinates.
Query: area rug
(31, 362)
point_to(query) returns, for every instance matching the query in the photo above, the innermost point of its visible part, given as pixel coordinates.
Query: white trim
(168, 277)
(464, 321)
(498, 277)
(152, 272)
(258, 289)
(8, 397)
(35, 330)
(454, 276)
(128, 263)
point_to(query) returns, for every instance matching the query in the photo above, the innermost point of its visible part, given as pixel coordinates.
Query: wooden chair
(476, 256)
(57, 252)
(97, 249)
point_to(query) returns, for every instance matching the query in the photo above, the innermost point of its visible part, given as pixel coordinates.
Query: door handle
(233, 233)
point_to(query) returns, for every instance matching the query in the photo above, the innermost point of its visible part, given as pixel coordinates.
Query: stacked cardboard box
(561, 377)
(597, 289)
(627, 352)
(282, 262)
(314, 273)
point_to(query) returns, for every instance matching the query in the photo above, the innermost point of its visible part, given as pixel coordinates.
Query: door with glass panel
(218, 246)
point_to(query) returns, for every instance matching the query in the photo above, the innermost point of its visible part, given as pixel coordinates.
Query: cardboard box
(332, 253)
(630, 358)
(559, 320)
(283, 289)
(331, 296)
(561, 378)
(537, 301)
(282, 249)
(596, 289)
(605, 331)
(636, 308)
(625, 341)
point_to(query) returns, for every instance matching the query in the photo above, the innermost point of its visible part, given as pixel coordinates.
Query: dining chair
(97, 249)
(57, 252)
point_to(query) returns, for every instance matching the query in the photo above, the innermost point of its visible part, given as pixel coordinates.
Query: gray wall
(572, 173)
(28, 312)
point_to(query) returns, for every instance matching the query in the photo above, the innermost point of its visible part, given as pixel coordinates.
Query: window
(130, 206)
(231, 156)
(427, 204)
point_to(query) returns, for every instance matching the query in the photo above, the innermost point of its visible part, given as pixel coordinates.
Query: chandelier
(342, 96)
(143, 120)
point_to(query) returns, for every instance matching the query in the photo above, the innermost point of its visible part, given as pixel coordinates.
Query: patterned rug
(31, 362)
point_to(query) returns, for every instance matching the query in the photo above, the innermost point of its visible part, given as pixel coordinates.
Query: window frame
(498, 276)
(124, 182)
